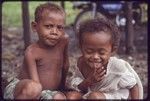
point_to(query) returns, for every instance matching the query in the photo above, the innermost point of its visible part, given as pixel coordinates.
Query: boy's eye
(60, 27)
(49, 26)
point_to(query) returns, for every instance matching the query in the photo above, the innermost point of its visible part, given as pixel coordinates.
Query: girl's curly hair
(97, 25)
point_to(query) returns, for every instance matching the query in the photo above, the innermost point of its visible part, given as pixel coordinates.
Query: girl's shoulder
(117, 65)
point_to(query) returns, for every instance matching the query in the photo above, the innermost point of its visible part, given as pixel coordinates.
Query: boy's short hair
(97, 25)
(47, 6)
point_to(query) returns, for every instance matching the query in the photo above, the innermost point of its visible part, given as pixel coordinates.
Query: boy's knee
(74, 95)
(60, 96)
(96, 95)
(31, 89)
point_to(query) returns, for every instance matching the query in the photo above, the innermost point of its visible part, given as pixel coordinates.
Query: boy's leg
(27, 89)
(72, 95)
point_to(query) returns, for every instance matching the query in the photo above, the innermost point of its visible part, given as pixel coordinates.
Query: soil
(13, 49)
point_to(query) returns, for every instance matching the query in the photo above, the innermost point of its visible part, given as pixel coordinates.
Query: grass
(12, 13)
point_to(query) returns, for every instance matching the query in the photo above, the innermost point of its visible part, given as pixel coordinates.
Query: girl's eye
(102, 53)
(89, 51)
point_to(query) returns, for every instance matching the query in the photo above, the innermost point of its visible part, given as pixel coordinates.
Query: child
(46, 61)
(98, 71)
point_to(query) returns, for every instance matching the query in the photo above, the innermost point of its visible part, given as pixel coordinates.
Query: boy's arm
(134, 92)
(65, 66)
(30, 65)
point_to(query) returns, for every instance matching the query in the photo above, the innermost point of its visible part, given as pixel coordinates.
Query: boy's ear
(34, 26)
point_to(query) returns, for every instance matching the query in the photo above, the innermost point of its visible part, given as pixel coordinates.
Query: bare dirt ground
(13, 49)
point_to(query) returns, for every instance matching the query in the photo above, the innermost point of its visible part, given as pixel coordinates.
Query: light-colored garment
(9, 91)
(120, 77)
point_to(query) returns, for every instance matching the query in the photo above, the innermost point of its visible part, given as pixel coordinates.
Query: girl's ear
(113, 51)
(34, 26)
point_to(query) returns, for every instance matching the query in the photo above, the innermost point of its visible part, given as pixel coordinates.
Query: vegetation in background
(12, 13)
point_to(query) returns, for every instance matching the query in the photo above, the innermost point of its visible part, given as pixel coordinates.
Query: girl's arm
(134, 92)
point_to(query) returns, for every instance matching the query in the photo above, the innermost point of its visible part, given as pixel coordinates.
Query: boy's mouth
(53, 39)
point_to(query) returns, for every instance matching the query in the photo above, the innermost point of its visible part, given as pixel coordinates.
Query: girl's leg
(72, 95)
(96, 95)
(60, 96)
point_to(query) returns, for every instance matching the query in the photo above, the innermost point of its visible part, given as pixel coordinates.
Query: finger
(99, 70)
(98, 75)
(95, 70)
(102, 73)
(100, 78)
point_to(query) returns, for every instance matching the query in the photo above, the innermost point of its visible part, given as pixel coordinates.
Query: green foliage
(71, 13)
(12, 13)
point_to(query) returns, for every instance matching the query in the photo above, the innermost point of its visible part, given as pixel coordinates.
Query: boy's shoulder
(65, 38)
(31, 49)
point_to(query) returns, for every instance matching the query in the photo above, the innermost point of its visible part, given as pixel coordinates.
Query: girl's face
(50, 28)
(96, 48)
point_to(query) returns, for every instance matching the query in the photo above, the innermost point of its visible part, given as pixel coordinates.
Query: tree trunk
(26, 23)
(130, 48)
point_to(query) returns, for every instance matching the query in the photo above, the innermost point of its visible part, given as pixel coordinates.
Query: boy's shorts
(119, 94)
(9, 91)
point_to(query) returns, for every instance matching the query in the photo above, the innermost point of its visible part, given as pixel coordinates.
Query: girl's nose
(96, 57)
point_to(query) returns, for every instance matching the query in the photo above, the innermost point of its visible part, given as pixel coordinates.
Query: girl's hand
(99, 73)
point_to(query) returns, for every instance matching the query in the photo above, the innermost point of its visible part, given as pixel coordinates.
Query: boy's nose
(54, 31)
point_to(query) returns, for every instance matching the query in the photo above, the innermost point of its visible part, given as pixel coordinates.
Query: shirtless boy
(45, 62)
(98, 71)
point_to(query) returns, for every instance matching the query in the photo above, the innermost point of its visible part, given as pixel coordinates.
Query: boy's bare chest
(49, 60)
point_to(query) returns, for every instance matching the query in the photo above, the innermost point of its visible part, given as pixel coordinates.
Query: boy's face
(50, 28)
(96, 48)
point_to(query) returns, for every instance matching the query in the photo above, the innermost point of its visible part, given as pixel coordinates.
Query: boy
(45, 62)
(98, 72)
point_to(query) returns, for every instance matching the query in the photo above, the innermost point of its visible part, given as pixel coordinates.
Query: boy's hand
(99, 73)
